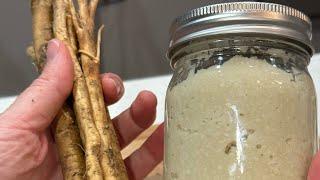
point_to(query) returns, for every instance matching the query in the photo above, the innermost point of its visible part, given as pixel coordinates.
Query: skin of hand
(27, 148)
(314, 170)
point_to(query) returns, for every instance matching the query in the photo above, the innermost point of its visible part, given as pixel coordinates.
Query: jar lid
(251, 18)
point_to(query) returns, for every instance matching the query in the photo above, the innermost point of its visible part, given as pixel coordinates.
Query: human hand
(27, 148)
(314, 171)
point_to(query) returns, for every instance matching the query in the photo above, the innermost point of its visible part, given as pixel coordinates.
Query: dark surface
(311, 7)
(134, 41)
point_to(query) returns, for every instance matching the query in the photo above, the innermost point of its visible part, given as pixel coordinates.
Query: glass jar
(241, 103)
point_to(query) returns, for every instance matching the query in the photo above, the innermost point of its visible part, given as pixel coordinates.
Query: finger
(147, 157)
(314, 170)
(112, 87)
(36, 107)
(136, 119)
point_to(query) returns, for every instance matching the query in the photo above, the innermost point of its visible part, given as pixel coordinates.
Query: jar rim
(235, 41)
(240, 18)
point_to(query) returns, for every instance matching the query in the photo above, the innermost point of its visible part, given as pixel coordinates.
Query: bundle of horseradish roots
(86, 140)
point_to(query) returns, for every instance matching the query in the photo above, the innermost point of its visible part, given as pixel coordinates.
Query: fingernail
(53, 49)
(118, 87)
(116, 84)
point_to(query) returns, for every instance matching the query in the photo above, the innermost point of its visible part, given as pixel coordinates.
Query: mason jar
(241, 103)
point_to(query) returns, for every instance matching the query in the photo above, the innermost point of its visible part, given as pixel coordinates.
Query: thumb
(37, 106)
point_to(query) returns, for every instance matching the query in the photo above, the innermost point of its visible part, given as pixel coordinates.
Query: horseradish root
(86, 139)
(110, 157)
(67, 138)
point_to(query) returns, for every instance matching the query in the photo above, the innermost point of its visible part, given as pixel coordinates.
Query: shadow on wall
(13, 79)
(16, 71)
(109, 2)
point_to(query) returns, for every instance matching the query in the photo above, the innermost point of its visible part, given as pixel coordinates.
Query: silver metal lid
(243, 18)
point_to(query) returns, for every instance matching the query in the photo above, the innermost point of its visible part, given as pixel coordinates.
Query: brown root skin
(30, 52)
(42, 28)
(82, 106)
(72, 34)
(92, 9)
(67, 133)
(69, 145)
(110, 157)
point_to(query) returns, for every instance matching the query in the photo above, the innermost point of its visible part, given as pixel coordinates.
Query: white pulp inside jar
(245, 119)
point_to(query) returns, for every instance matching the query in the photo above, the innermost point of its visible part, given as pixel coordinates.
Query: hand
(314, 171)
(27, 148)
